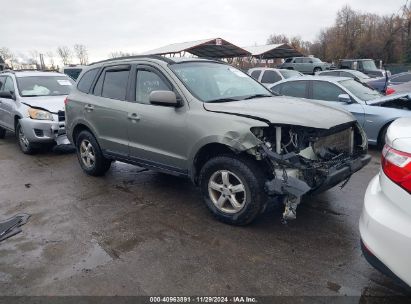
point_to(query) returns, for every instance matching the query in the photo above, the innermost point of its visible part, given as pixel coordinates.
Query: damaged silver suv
(210, 122)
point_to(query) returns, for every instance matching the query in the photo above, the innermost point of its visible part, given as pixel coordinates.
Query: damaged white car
(32, 106)
(212, 123)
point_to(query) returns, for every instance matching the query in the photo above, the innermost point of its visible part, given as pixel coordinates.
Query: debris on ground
(11, 226)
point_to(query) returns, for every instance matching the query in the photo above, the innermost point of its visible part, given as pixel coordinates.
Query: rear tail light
(397, 166)
(66, 101)
(389, 91)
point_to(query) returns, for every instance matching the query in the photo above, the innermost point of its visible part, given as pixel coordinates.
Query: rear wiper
(257, 96)
(222, 100)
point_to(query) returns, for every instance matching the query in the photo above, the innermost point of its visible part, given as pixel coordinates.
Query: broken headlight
(40, 114)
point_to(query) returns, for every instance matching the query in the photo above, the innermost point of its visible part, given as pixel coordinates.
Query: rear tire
(90, 156)
(316, 70)
(25, 145)
(381, 137)
(233, 189)
(2, 133)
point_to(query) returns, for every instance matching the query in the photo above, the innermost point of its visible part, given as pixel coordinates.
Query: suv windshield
(369, 65)
(34, 86)
(215, 82)
(290, 73)
(360, 90)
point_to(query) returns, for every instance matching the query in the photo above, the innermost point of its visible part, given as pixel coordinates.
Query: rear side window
(255, 74)
(294, 89)
(270, 77)
(86, 81)
(72, 73)
(326, 91)
(115, 84)
(346, 74)
(288, 60)
(298, 60)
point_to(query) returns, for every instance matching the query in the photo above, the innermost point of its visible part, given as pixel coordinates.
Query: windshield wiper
(257, 96)
(222, 100)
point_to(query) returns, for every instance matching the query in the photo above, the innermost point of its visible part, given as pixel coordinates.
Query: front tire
(233, 189)
(25, 145)
(90, 156)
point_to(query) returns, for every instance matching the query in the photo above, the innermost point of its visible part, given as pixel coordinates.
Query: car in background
(374, 111)
(361, 77)
(73, 71)
(306, 65)
(385, 222)
(32, 106)
(403, 88)
(269, 76)
(382, 83)
(366, 66)
(357, 75)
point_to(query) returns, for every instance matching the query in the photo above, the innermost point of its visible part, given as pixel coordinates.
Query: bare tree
(50, 57)
(118, 54)
(277, 39)
(65, 54)
(8, 56)
(81, 53)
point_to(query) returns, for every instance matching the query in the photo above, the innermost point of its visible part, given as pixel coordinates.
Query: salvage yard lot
(137, 232)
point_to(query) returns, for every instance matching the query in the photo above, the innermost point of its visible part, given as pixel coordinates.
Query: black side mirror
(7, 95)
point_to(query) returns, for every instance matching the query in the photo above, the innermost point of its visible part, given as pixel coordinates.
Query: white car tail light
(397, 166)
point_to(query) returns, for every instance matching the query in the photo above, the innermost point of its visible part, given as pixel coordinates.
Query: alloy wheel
(87, 154)
(227, 191)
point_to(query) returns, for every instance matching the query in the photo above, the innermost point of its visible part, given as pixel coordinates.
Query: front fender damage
(305, 160)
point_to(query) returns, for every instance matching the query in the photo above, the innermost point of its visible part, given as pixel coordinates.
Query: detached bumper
(336, 176)
(330, 176)
(42, 130)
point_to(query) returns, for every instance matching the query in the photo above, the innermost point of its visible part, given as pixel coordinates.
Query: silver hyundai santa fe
(209, 121)
(32, 106)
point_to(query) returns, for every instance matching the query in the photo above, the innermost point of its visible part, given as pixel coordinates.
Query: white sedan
(385, 223)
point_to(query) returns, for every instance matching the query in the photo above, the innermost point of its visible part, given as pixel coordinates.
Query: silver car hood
(285, 110)
(50, 103)
(383, 99)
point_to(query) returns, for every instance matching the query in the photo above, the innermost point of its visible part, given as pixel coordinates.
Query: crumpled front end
(308, 160)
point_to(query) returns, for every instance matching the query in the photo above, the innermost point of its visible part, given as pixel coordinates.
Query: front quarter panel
(230, 130)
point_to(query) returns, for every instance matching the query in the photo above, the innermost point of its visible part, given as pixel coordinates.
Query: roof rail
(158, 57)
(27, 70)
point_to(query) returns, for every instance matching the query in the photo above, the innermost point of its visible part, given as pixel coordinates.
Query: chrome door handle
(89, 107)
(133, 116)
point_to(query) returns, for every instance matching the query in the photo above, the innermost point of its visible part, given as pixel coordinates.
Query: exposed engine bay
(399, 103)
(308, 160)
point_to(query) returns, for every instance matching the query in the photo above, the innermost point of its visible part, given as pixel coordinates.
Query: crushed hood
(383, 99)
(50, 103)
(285, 110)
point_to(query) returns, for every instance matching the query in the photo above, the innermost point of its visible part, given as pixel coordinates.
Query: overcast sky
(140, 25)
